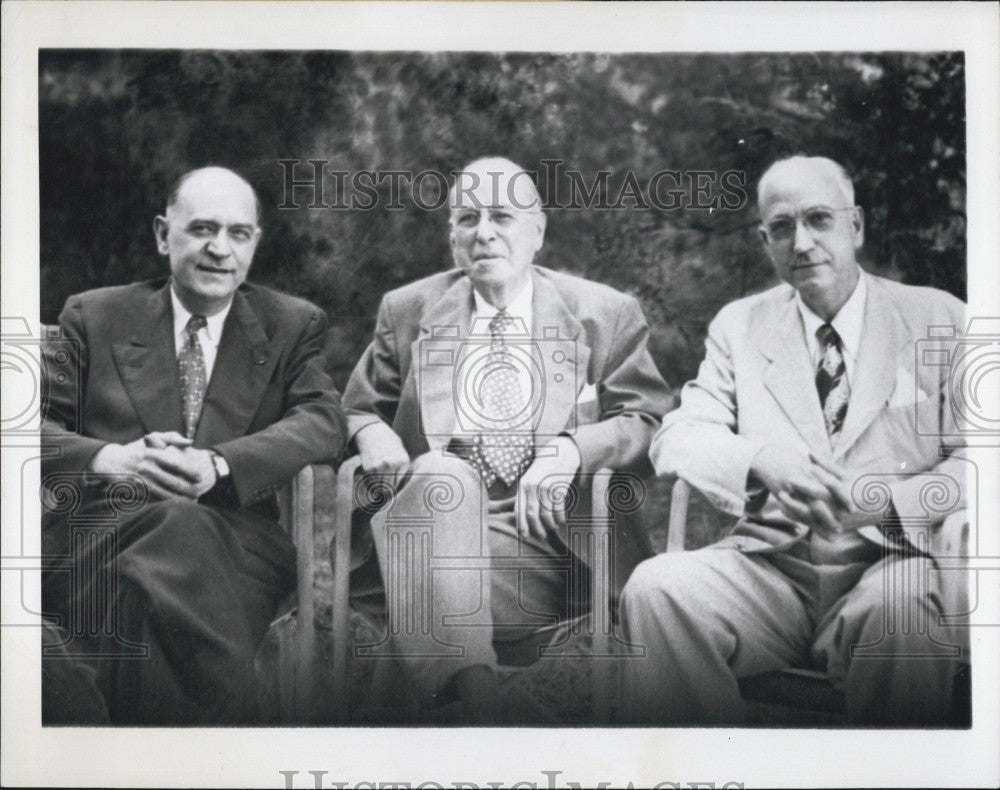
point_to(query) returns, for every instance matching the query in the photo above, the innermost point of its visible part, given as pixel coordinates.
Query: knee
(447, 470)
(183, 518)
(897, 586)
(650, 580)
(440, 463)
(183, 530)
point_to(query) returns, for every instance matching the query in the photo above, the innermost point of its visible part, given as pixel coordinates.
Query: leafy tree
(117, 127)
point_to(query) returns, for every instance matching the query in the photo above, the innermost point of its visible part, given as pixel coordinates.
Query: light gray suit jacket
(597, 381)
(756, 386)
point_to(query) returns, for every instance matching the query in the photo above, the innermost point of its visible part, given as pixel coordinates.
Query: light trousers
(709, 617)
(460, 584)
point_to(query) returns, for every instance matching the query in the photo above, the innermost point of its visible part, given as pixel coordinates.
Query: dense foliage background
(116, 127)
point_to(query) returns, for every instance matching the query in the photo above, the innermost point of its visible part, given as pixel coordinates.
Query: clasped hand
(810, 490)
(166, 461)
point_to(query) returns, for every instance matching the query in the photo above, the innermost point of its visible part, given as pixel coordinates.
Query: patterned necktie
(191, 370)
(501, 453)
(831, 380)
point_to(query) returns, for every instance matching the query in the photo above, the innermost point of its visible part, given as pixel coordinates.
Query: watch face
(221, 467)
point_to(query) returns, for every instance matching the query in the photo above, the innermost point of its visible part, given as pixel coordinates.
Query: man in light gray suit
(801, 422)
(487, 390)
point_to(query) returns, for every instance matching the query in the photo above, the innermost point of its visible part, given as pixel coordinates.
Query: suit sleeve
(64, 379)
(373, 391)
(632, 395)
(311, 430)
(699, 441)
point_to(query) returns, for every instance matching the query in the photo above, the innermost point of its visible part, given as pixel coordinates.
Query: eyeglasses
(817, 220)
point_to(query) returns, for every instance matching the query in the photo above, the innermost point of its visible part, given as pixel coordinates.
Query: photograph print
(503, 388)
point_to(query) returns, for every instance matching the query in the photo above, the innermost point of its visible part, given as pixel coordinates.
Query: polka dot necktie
(831, 380)
(501, 453)
(191, 371)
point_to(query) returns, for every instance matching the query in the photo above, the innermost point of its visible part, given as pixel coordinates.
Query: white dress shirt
(209, 335)
(849, 323)
(519, 308)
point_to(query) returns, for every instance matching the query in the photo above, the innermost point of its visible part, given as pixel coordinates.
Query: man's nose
(803, 236)
(485, 229)
(218, 246)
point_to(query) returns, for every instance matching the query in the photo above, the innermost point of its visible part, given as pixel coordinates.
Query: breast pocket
(903, 436)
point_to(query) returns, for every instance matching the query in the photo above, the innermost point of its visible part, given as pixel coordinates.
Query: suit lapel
(435, 355)
(558, 369)
(789, 375)
(562, 361)
(883, 337)
(147, 364)
(242, 370)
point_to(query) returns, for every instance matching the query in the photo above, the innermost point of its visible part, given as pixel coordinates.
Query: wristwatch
(220, 465)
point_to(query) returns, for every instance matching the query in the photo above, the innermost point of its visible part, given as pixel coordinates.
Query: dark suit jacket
(270, 408)
(598, 383)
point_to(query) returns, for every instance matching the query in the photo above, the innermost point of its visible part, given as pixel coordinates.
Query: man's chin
(207, 297)
(216, 291)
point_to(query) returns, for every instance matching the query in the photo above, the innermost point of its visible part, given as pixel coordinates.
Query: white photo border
(370, 757)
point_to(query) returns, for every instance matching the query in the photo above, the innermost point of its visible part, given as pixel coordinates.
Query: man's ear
(858, 223)
(541, 229)
(160, 228)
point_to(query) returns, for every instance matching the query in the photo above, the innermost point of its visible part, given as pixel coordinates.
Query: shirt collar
(213, 323)
(519, 307)
(849, 320)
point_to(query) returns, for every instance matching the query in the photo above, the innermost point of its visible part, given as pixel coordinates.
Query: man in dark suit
(487, 392)
(810, 421)
(186, 403)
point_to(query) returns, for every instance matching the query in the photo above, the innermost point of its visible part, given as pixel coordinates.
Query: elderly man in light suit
(508, 382)
(806, 404)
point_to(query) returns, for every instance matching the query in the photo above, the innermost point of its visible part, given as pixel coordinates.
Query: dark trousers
(168, 605)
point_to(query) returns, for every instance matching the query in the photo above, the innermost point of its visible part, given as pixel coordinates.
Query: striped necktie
(831, 380)
(191, 371)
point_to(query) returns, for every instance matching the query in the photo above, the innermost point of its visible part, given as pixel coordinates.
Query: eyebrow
(788, 215)
(216, 224)
(817, 207)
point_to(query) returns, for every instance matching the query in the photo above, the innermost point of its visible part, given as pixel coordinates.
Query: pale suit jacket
(597, 381)
(756, 386)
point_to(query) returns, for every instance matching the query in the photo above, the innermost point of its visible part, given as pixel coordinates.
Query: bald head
(213, 178)
(814, 167)
(494, 181)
